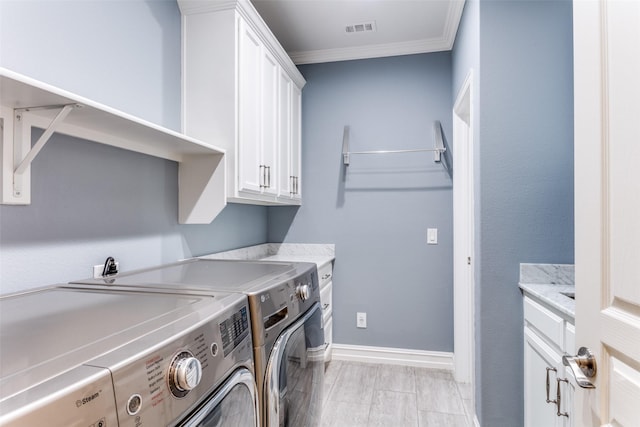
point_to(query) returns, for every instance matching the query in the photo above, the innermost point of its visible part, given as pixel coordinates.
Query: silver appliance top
(55, 343)
(204, 275)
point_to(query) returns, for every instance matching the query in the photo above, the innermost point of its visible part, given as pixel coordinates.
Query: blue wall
(525, 182)
(377, 210)
(90, 201)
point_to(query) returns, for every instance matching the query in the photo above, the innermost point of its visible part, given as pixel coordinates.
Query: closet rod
(417, 150)
(438, 150)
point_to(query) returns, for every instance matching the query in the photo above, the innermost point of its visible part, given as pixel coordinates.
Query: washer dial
(185, 373)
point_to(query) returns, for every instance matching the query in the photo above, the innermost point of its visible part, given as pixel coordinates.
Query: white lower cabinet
(325, 275)
(548, 387)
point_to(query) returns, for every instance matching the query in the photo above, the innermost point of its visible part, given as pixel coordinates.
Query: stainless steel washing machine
(286, 321)
(103, 358)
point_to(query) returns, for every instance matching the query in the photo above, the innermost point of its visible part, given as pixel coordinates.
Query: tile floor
(368, 395)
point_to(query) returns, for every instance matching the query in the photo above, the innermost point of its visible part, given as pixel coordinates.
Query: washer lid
(50, 331)
(205, 275)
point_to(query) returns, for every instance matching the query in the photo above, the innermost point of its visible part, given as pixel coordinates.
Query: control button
(101, 423)
(134, 404)
(214, 349)
(303, 292)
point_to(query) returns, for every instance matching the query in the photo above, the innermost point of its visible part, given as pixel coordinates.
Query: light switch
(432, 236)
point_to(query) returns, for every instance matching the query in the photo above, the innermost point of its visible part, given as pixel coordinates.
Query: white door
(607, 207)
(463, 231)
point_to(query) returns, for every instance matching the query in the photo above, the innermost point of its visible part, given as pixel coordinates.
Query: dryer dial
(185, 374)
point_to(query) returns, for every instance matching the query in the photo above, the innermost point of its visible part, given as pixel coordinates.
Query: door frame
(463, 234)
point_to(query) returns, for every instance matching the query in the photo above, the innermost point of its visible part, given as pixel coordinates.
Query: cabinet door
(270, 73)
(567, 391)
(296, 140)
(286, 179)
(538, 356)
(250, 173)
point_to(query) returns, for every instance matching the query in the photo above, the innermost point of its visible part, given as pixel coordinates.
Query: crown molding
(443, 43)
(371, 51)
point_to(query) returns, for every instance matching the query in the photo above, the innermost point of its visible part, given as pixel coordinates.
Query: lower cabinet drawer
(544, 321)
(326, 301)
(325, 273)
(328, 339)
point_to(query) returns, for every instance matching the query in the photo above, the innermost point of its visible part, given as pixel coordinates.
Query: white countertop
(320, 254)
(548, 283)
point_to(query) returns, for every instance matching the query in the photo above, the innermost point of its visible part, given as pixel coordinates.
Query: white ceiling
(314, 30)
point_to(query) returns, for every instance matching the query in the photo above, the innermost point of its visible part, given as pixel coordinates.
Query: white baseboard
(393, 356)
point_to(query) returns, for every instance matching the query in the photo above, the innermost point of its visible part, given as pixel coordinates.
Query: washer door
(234, 404)
(295, 374)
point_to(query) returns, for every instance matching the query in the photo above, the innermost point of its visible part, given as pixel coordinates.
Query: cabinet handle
(548, 386)
(263, 176)
(559, 397)
(326, 276)
(325, 306)
(292, 182)
(266, 176)
(296, 184)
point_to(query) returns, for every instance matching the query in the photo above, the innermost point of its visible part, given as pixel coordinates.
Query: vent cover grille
(365, 27)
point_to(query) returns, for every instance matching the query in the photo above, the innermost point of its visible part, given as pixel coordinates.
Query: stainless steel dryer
(286, 321)
(104, 358)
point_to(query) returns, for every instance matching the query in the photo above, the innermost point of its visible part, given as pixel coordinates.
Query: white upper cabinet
(242, 92)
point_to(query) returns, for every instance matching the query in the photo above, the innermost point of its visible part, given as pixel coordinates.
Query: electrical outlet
(361, 320)
(97, 270)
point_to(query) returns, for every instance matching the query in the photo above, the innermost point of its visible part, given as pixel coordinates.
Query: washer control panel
(233, 330)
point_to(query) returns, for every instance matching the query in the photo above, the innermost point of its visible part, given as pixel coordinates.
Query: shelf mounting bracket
(345, 146)
(20, 140)
(44, 138)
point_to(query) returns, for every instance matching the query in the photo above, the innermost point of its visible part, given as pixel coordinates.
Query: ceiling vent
(366, 27)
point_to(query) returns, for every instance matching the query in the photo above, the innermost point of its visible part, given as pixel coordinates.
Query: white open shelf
(27, 103)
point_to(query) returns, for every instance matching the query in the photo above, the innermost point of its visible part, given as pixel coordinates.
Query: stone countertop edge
(318, 253)
(547, 283)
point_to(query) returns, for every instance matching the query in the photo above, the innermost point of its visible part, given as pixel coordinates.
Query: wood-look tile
(437, 394)
(392, 408)
(396, 378)
(434, 373)
(465, 390)
(331, 371)
(355, 383)
(469, 410)
(439, 419)
(344, 414)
